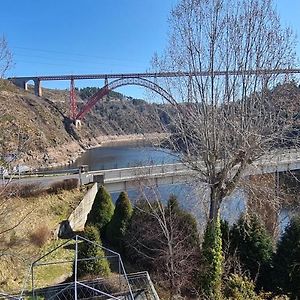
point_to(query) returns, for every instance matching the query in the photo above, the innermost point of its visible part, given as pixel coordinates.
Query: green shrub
(211, 280)
(117, 227)
(184, 220)
(240, 288)
(102, 210)
(286, 274)
(98, 265)
(164, 240)
(254, 247)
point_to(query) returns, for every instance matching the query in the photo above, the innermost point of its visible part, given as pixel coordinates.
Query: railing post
(80, 177)
(32, 280)
(75, 271)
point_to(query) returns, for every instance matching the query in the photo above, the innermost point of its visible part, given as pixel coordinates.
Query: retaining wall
(78, 217)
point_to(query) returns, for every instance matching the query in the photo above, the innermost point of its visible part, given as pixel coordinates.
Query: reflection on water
(193, 197)
(121, 157)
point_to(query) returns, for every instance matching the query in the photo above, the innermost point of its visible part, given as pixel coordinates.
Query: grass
(44, 210)
(6, 85)
(54, 273)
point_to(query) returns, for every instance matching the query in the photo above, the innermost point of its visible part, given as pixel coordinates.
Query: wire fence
(117, 284)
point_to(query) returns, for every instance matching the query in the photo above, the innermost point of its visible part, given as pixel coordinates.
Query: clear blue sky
(94, 36)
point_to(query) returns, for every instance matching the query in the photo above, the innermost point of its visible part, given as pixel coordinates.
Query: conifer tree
(116, 229)
(254, 247)
(286, 275)
(211, 280)
(102, 210)
(164, 240)
(98, 264)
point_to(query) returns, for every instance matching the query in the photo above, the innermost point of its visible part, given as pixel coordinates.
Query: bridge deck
(129, 178)
(159, 74)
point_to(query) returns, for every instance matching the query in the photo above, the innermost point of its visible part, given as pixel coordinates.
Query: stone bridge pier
(22, 83)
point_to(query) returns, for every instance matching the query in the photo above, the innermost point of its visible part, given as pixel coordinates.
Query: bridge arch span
(123, 82)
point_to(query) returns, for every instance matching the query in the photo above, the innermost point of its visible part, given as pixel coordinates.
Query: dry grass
(41, 216)
(66, 184)
(40, 235)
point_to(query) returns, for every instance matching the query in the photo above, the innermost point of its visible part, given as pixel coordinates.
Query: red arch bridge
(140, 79)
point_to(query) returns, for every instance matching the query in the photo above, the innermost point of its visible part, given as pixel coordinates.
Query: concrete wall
(78, 217)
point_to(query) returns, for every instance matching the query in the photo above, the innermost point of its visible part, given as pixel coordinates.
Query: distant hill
(36, 128)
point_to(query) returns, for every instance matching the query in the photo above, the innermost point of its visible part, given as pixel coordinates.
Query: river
(190, 195)
(103, 158)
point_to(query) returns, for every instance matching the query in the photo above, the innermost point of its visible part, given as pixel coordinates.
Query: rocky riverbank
(67, 153)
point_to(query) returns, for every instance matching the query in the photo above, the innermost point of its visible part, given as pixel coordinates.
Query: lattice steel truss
(73, 104)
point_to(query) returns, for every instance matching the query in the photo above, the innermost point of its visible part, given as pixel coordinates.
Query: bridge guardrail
(279, 160)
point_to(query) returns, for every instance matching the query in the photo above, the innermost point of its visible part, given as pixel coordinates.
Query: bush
(164, 240)
(98, 265)
(254, 247)
(117, 227)
(286, 273)
(240, 288)
(102, 210)
(21, 190)
(30, 190)
(40, 235)
(66, 184)
(184, 220)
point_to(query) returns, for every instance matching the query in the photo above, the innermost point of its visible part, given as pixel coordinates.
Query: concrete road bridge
(116, 180)
(124, 179)
(147, 80)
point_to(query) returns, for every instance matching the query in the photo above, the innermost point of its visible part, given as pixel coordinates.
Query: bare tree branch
(222, 124)
(6, 58)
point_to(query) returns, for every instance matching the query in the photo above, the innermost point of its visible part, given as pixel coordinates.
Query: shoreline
(66, 154)
(128, 139)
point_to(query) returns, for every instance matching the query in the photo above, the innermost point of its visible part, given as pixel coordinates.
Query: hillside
(34, 236)
(35, 129)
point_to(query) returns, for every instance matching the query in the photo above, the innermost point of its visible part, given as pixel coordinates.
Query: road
(126, 178)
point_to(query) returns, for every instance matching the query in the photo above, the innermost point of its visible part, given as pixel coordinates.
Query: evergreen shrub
(98, 264)
(102, 210)
(117, 227)
(286, 273)
(254, 247)
(211, 280)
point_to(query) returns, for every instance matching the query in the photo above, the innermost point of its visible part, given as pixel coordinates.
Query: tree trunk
(215, 203)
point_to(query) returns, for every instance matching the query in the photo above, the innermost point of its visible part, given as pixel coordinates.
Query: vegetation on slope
(35, 235)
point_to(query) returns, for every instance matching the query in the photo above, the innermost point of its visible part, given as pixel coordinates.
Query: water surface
(192, 196)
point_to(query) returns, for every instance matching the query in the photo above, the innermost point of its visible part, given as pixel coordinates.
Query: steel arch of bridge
(122, 82)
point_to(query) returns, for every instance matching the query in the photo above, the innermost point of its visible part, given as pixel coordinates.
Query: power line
(75, 54)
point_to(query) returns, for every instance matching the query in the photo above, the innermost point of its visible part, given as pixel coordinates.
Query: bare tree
(12, 212)
(6, 59)
(226, 122)
(164, 239)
